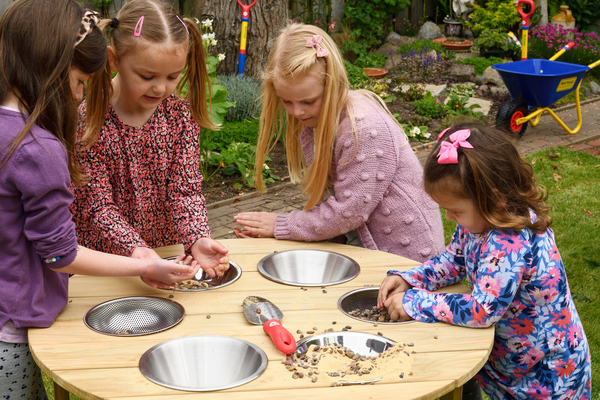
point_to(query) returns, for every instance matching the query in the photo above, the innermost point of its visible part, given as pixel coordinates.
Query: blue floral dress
(519, 284)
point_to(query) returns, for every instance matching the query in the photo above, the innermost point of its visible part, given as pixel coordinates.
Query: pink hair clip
(138, 27)
(315, 41)
(184, 25)
(442, 134)
(449, 150)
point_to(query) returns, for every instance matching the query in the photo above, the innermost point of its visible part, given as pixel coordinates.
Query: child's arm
(501, 262)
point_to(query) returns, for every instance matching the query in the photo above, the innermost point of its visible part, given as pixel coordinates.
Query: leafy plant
(238, 158)
(494, 39)
(480, 63)
(371, 60)
(244, 92)
(369, 22)
(245, 130)
(429, 106)
(462, 89)
(457, 105)
(356, 75)
(382, 90)
(414, 91)
(416, 132)
(494, 14)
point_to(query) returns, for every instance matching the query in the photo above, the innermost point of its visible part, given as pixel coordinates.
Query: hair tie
(314, 42)
(88, 22)
(115, 23)
(449, 150)
(184, 25)
(138, 27)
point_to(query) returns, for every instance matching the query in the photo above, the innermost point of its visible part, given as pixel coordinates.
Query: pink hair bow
(449, 150)
(442, 134)
(315, 41)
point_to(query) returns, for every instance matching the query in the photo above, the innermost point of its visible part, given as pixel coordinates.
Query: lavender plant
(422, 67)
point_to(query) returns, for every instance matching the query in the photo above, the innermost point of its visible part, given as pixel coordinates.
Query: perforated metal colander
(134, 316)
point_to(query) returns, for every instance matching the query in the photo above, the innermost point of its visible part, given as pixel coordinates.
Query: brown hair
(161, 24)
(494, 176)
(37, 54)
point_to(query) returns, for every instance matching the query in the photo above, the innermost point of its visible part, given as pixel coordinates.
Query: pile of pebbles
(372, 314)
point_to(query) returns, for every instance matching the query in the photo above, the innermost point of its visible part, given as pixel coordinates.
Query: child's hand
(391, 285)
(211, 256)
(244, 234)
(144, 253)
(256, 224)
(164, 273)
(396, 308)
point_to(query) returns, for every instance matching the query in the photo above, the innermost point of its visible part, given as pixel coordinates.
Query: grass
(572, 179)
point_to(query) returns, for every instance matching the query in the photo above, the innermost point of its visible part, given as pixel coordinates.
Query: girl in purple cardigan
(50, 48)
(363, 182)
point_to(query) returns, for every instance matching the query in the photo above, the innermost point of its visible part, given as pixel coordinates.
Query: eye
(172, 78)
(146, 78)
(309, 102)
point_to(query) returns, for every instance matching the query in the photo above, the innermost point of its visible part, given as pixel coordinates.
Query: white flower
(415, 131)
(210, 36)
(427, 135)
(207, 22)
(221, 57)
(265, 166)
(247, 174)
(205, 36)
(213, 42)
(197, 22)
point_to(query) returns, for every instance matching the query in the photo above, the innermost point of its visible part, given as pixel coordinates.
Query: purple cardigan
(378, 191)
(36, 222)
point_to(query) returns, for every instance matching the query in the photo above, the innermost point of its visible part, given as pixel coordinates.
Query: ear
(112, 58)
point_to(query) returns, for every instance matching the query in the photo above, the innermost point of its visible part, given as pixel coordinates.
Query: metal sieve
(134, 316)
(362, 299)
(207, 283)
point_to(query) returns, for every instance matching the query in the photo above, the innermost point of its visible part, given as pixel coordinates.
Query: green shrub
(493, 14)
(430, 106)
(356, 75)
(462, 89)
(480, 63)
(245, 131)
(245, 93)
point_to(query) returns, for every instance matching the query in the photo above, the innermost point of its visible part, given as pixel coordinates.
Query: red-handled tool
(525, 24)
(257, 310)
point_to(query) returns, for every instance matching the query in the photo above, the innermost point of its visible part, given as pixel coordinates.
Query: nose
(449, 216)
(159, 87)
(78, 93)
(298, 111)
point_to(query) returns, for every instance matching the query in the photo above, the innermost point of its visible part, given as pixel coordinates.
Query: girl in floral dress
(144, 182)
(504, 247)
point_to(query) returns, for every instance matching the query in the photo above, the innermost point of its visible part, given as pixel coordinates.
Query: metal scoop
(260, 311)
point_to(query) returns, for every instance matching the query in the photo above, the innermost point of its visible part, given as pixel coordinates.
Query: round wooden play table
(96, 366)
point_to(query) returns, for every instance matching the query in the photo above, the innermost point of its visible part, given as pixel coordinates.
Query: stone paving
(548, 133)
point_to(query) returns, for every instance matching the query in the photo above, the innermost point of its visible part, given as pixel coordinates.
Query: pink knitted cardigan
(378, 191)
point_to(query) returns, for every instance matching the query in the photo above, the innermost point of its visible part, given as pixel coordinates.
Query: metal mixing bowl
(363, 299)
(365, 344)
(230, 276)
(203, 363)
(308, 267)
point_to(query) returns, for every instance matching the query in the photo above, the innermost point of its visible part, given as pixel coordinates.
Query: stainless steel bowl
(362, 299)
(230, 276)
(365, 344)
(134, 316)
(308, 267)
(203, 363)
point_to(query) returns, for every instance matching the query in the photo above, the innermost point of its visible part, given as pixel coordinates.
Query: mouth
(152, 99)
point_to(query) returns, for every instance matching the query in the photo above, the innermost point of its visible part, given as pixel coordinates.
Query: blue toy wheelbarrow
(535, 84)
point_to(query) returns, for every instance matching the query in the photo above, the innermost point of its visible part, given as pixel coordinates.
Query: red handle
(282, 338)
(246, 8)
(524, 15)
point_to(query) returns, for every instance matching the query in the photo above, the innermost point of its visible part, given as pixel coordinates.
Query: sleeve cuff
(282, 230)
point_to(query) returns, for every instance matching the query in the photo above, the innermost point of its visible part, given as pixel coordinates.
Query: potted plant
(493, 43)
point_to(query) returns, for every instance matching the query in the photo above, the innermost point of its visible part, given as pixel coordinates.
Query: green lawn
(572, 179)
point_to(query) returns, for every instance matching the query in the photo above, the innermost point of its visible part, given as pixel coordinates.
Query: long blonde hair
(161, 24)
(290, 59)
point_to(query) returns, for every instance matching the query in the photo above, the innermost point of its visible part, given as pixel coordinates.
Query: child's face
(148, 76)
(77, 79)
(302, 97)
(461, 210)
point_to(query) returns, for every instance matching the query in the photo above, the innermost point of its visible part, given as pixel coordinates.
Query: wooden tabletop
(96, 366)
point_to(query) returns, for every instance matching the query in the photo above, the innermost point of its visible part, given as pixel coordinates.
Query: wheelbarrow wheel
(508, 114)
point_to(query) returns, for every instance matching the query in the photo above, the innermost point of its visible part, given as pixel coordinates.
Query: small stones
(301, 336)
(348, 327)
(333, 322)
(410, 344)
(314, 379)
(371, 314)
(208, 316)
(435, 337)
(401, 374)
(171, 296)
(324, 291)
(299, 331)
(314, 328)
(303, 288)
(258, 310)
(380, 333)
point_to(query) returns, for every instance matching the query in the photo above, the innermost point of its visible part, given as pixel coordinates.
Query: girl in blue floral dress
(504, 247)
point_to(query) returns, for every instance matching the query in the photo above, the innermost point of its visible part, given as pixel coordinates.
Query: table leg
(60, 393)
(456, 394)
